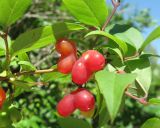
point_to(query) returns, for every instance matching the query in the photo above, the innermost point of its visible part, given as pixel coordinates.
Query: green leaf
(152, 123)
(12, 10)
(112, 86)
(128, 37)
(155, 101)
(115, 51)
(32, 122)
(5, 120)
(90, 12)
(117, 28)
(15, 114)
(21, 86)
(115, 55)
(41, 37)
(3, 74)
(103, 114)
(122, 45)
(73, 123)
(99, 101)
(23, 57)
(143, 70)
(2, 52)
(146, 55)
(25, 67)
(154, 35)
(28, 64)
(118, 52)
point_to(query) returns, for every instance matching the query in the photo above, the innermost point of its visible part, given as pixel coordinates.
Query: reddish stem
(141, 100)
(115, 5)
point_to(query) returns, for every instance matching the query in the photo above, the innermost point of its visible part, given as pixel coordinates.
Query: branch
(141, 100)
(115, 5)
(35, 72)
(5, 38)
(3, 78)
(34, 83)
(131, 57)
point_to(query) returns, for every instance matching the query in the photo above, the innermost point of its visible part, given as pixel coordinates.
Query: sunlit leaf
(90, 12)
(112, 86)
(122, 45)
(12, 10)
(154, 35)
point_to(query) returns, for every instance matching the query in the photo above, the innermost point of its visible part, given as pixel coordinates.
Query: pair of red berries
(80, 99)
(82, 69)
(68, 51)
(2, 96)
(90, 62)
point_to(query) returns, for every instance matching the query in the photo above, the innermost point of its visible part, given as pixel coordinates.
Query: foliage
(22, 67)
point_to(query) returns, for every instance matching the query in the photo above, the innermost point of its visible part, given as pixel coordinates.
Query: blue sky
(154, 6)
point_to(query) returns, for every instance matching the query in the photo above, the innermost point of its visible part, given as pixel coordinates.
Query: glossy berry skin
(80, 73)
(84, 100)
(65, 47)
(65, 64)
(66, 106)
(2, 96)
(95, 61)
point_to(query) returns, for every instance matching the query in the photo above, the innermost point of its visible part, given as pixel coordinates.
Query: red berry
(95, 61)
(2, 96)
(84, 100)
(65, 47)
(66, 106)
(80, 74)
(65, 65)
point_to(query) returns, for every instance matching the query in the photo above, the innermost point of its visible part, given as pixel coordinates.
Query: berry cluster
(81, 70)
(80, 99)
(68, 51)
(2, 96)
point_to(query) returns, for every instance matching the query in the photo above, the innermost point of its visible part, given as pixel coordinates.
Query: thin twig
(131, 57)
(115, 5)
(3, 78)
(34, 83)
(141, 100)
(35, 72)
(7, 50)
(39, 83)
(5, 38)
